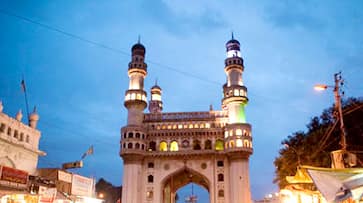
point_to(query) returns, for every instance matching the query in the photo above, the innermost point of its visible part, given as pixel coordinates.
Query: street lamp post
(338, 105)
(340, 158)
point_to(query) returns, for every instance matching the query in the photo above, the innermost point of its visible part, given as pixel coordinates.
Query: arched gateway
(163, 152)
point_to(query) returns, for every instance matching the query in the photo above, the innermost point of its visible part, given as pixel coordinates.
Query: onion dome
(19, 115)
(33, 118)
(156, 87)
(138, 46)
(233, 44)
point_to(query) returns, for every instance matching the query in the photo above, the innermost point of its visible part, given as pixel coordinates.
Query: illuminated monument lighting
(163, 152)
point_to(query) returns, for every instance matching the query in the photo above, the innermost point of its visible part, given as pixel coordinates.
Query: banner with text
(81, 185)
(13, 177)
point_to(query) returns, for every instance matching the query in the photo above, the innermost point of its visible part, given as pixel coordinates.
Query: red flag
(23, 88)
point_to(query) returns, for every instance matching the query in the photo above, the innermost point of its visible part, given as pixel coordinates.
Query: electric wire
(112, 49)
(109, 48)
(322, 144)
(115, 50)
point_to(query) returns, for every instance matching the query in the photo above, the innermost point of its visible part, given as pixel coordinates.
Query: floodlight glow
(320, 87)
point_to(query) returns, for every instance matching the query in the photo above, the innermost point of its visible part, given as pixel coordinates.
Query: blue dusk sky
(74, 56)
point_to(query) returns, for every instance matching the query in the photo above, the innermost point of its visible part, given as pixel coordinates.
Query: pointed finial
(211, 107)
(156, 82)
(35, 109)
(33, 118)
(232, 35)
(19, 115)
(138, 39)
(1, 106)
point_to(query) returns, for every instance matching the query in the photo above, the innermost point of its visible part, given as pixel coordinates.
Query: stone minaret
(237, 133)
(155, 103)
(133, 135)
(33, 118)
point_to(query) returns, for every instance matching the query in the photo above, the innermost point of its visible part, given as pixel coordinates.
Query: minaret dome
(155, 104)
(233, 48)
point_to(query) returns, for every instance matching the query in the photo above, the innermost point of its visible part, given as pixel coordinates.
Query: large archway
(179, 179)
(192, 191)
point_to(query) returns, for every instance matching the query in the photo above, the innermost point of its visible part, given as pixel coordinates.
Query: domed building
(164, 151)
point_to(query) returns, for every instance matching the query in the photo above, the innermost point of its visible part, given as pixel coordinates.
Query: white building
(163, 152)
(19, 142)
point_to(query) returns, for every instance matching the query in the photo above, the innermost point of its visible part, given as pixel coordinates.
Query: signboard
(64, 176)
(76, 164)
(13, 175)
(47, 195)
(81, 185)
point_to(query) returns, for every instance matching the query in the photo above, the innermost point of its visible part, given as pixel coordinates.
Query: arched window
(246, 143)
(163, 146)
(124, 135)
(208, 144)
(137, 135)
(129, 145)
(152, 146)
(150, 179)
(220, 193)
(142, 146)
(124, 145)
(150, 165)
(239, 143)
(220, 177)
(143, 136)
(219, 145)
(238, 132)
(174, 146)
(27, 139)
(196, 145)
(231, 144)
(131, 134)
(137, 146)
(2, 127)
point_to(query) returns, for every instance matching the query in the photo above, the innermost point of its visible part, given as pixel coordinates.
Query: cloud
(294, 14)
(181, 22)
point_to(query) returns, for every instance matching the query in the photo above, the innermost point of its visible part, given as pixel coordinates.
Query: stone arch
(163, 146)
(174, 146)
(152, 146)
(208, 144)
(178, 179)
(6, 161)
(197, 145)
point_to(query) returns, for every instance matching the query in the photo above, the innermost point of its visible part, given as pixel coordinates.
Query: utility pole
(340, 158)
(338, 107)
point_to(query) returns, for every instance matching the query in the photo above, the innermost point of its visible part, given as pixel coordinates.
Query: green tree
(110, 193)
(323, 135)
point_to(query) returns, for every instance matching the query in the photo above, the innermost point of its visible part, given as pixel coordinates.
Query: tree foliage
(110, 193)
(323, 135)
